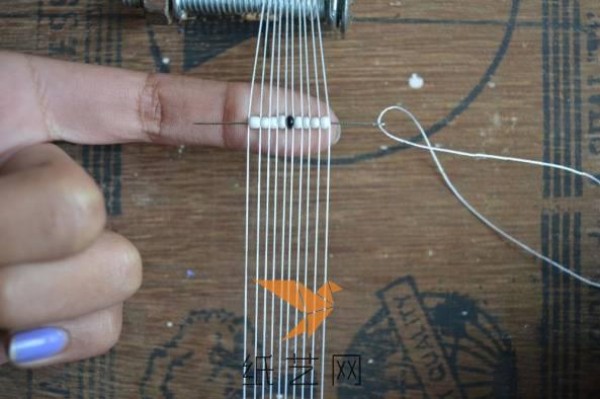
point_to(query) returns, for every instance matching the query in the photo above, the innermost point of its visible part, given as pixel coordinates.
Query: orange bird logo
(317, 307)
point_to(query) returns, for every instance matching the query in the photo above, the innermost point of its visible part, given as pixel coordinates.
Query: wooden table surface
(510, 77)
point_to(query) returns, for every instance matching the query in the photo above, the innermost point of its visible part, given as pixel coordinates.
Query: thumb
(48, 100)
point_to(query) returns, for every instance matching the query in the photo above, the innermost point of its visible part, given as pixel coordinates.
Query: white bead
(254, 122)
(282, 120)
(306, 122)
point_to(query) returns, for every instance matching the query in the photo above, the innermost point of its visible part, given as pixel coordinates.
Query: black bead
(289, 122)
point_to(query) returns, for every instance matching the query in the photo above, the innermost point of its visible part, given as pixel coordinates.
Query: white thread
(291, 199)
(433, 150)
(308, 177)
(327, 202)
(258, 192)
(305, 123)
(247, 227)
(316, 124)
(275, 125)
(287, 153)
(300, 181)
(269, 120)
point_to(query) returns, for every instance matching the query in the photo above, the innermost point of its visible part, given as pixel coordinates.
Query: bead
(281, 122)
(254, 122)
(289, 122)
(306, 122)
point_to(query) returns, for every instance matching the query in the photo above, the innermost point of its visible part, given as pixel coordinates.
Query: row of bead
(288, 122)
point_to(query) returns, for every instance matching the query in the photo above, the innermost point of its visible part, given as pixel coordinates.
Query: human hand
(63, 277)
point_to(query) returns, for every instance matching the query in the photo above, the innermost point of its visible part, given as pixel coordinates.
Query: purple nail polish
(34, 345)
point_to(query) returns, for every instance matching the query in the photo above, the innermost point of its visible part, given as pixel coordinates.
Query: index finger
(47, 100)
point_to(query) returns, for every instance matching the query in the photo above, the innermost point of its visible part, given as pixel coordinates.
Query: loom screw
(335, 12)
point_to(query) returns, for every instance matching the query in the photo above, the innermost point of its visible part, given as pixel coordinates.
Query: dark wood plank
(502, 324)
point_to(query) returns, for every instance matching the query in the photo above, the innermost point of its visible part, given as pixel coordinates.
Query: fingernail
(336, 130)
(35, 345)
(337, 134)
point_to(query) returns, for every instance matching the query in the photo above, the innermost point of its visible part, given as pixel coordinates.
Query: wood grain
(505, 77)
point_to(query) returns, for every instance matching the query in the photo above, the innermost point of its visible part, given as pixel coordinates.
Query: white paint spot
(416, 82)
(166, 60)
(181, 149)
(371, 361)
(430, 253)
(491, 84)
(169, 324)
(464, 313)
(384, 148)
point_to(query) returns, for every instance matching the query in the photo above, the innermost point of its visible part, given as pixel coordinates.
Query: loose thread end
(433, 150)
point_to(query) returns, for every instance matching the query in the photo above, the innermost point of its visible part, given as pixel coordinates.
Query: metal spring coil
(241, 7)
